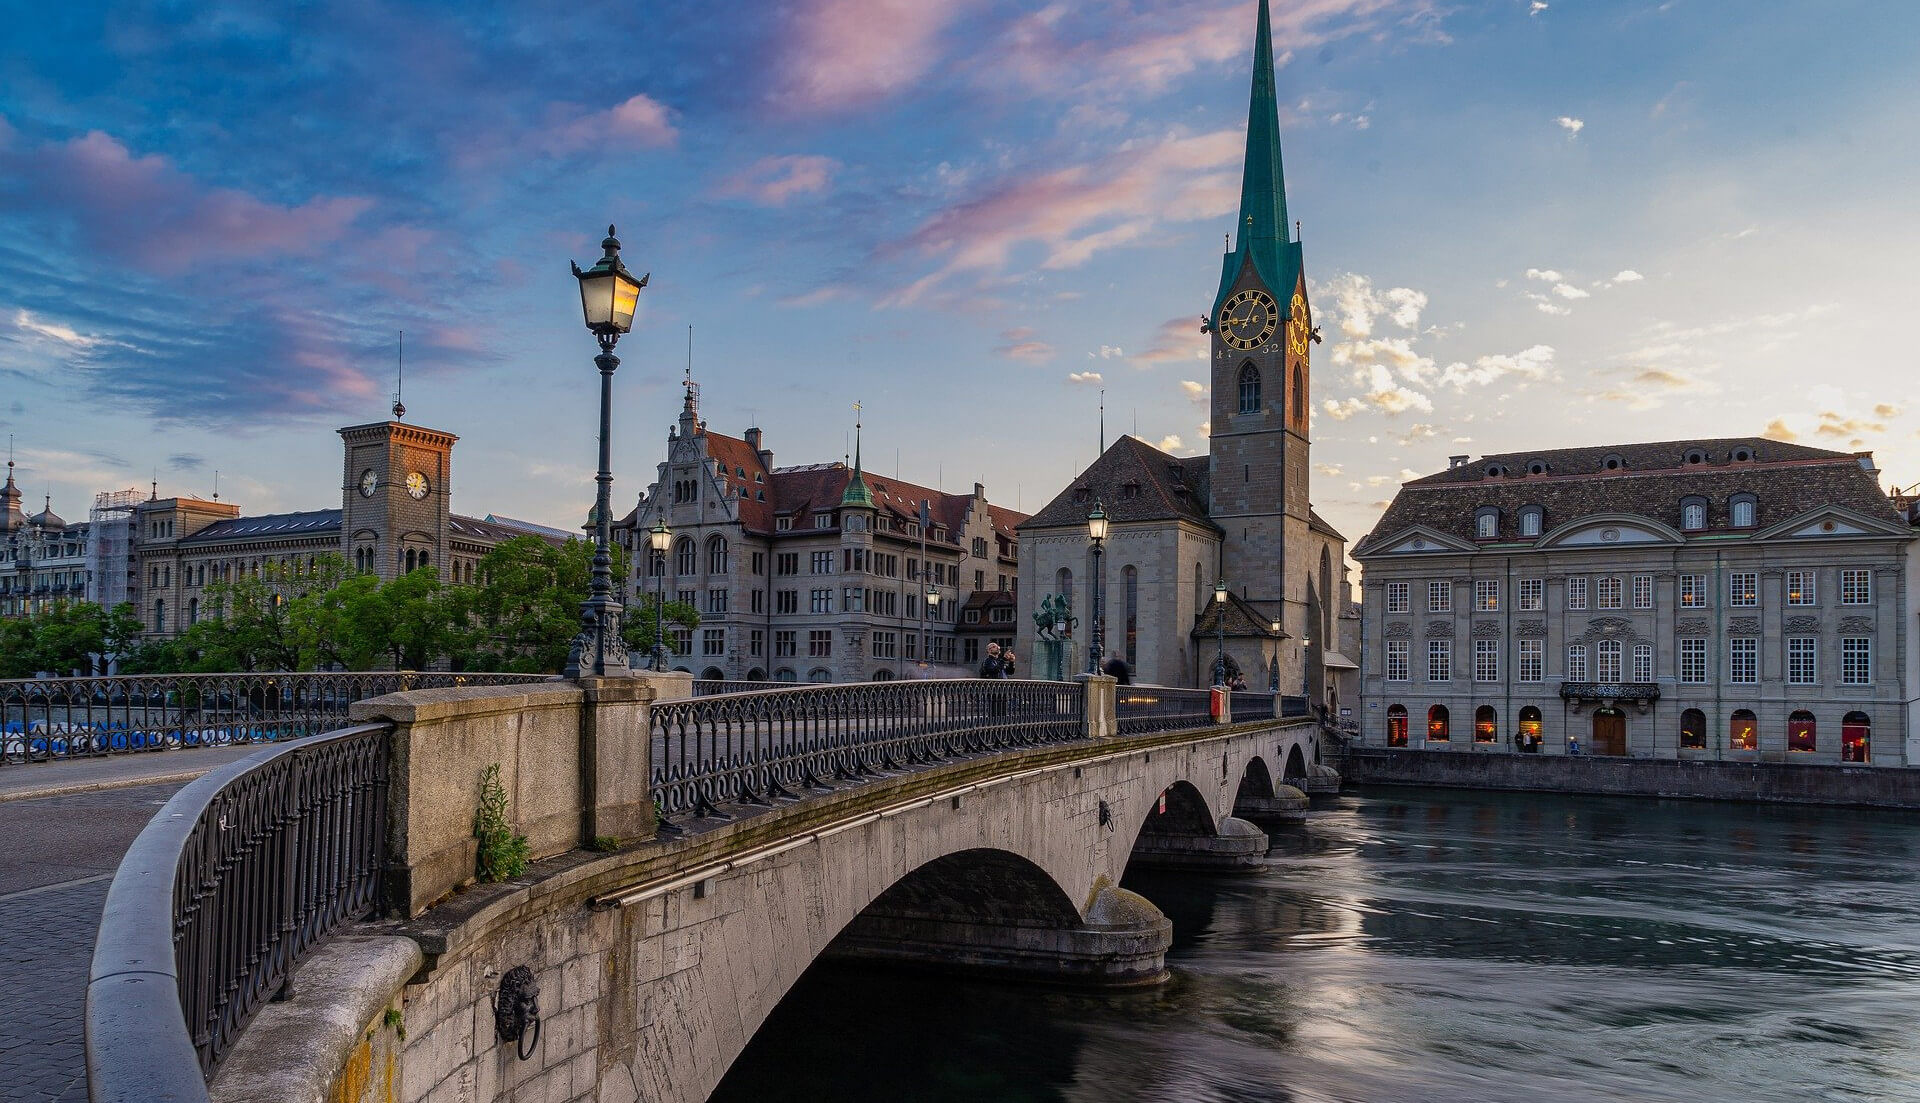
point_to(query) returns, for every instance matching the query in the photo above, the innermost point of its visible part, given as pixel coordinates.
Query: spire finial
(400, 380)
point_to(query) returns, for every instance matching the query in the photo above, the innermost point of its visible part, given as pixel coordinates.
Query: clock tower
(395, 498)
(1261, 334)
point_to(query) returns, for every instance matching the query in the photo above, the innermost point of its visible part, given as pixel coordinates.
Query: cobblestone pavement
(61, 852)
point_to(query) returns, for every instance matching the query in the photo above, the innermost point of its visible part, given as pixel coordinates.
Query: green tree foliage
(523, 615)
(71, 637)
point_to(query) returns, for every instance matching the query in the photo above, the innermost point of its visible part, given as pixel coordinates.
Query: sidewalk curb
(177, 777)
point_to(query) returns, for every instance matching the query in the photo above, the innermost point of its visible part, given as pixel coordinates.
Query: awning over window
(1336, 661)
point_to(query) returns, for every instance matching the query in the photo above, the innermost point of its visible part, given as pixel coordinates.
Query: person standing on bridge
(1007, 659)
(1116, 668)
(991, 666)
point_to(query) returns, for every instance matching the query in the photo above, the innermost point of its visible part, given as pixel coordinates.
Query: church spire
(1261, 231)
(857, 493)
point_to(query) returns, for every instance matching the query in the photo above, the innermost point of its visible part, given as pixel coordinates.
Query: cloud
(1777, 430)
(1357, 304)
(1546, 305)
(1532, 363)
(1107, 352)
(1835, 424)
(1886, 410)
(1568, 291)
(1194, 390)
(1024, 348)
(1085, 377)
(1419, 430)
(1169, 443)
(771, 181)
(1627, 275)
(842, 54)
(1328, 469)
(52, 331)
(1545, 275)
(1537, 7)
(1178, 340)
(1380, 392)
(186, 461)
(1569, 124)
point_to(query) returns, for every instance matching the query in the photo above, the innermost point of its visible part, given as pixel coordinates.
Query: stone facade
(43, 559)
(1719, 599)
(814, 573)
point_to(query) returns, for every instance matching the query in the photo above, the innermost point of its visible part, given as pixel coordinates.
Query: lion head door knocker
(516, 1010)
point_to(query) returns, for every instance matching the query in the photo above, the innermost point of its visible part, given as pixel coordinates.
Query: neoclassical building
(43, 558)
(1739, 599)
(815, 572)
(1239, 514)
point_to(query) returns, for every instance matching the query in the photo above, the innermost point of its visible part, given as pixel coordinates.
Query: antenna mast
(400, 380)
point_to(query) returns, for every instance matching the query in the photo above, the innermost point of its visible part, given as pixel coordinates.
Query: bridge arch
(1256, 783)
(1296, 766)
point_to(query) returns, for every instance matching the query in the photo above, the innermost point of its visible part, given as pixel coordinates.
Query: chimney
(980, 491)
(1866, 462)
(753, 439)
(1457, 461)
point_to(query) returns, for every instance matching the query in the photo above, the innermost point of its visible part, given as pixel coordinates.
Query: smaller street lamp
(1273, 671)
(659, 539)
(1220, 612)
(1097, 531)
(1306, 671)
(933, 614)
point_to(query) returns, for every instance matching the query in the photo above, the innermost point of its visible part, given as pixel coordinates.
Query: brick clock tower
(1262, 331)
(394, 498)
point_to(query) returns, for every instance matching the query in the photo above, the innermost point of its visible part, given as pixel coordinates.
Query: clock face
(416, 485)
(1297, 328)
(369, 482)
(1249, 319)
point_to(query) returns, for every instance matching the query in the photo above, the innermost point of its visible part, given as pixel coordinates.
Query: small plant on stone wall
(503, 854)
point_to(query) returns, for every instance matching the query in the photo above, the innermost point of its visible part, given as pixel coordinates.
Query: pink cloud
(845, 53)
(146, 210)
(640, 121)
(774, 180)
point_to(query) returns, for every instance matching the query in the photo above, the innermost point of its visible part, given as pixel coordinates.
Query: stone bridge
(657, 962)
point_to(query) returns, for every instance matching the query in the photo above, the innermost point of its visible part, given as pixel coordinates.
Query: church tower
(394, 497)
(1261, 332)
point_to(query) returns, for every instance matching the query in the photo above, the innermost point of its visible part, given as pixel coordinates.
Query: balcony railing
(43, 719)
(1610, 691)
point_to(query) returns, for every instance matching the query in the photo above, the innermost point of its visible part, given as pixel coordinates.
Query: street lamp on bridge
(1273, 671)
(659, 539)
(608, 296)
(1220, 613)
(1097, 531)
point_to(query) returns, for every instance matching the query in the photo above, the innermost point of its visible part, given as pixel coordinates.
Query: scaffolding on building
(110, 546)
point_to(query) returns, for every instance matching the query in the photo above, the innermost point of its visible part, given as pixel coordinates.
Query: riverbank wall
(1762, 782)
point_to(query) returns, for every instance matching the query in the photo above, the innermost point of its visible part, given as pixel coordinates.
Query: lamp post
(608, 296)
(1097, 531)
(659, 539)
(1220, 612)
(1306, 673)
(1273, 669)
(933, 611)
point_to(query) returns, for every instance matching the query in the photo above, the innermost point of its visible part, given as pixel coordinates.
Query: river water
(1440, 946)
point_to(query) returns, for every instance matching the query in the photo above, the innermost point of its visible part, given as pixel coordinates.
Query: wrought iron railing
(708, 687)
(1293, 705)
(753, 747)
(231, 884)
(1161, 708)
(1252, 704)
(42, 719)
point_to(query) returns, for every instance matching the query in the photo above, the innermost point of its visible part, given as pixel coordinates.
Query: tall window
(1800, 588)
(1856, 587)
(1607, 593)
(1693, 661)
(1249, 389)
(1439, 726)
(883, 645)
(1439, 597)
(1130, 583)
(783, 644)
(716, 601)
(713, 641)
(1693, 517)
(1486, 725)
(1643, 591)
(820, 642)
(1693, 730)
(820, 562)
(1800, 735)
(1063, 584)
(1803, 663)
(1439, 660)
(820, 601)
(1743, 513)
(1533, 660)
(686, 559)
(1856, 737)
(1607, 660)
(1399, 597)
(1530, 522)
(717, 555)
(1576, 662)
(1743, 589)
(1533, 594)
(1486, 595)
(1397, 660)
(1486, 660)
(1396, 725)
(1743, 731)
(1487, 525)
(1576, 593)
(1743, 660)
(1299, 394)
(1643, 662)
(1693, 591)
(1856, 661)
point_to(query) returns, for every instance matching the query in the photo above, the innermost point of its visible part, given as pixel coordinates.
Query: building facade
(811, 573)
(1241, 513)
(45, 557)
(1739, 599)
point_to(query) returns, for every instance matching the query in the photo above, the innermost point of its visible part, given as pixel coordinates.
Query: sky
(1527, 224)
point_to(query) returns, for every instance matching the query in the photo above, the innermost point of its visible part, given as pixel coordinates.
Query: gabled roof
(1133, 481)
(309, 522)
(1243, 620)
(498, 530)
(1319, 524)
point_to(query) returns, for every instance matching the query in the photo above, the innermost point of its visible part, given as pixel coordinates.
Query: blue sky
(1527, 225)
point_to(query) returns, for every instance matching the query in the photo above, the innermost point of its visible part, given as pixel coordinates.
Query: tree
(526, 611)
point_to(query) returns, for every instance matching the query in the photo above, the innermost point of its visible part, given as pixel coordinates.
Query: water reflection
(1442, 946)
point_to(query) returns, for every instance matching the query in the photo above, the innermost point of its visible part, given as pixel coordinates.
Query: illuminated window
(1801, 588)
(1800, 735)
(1743, 731)
(1693, 591)
(1856, 737)
(1438, 727)
(1396, 725)
(1856, 587)
(1743, 589)
(1486, 725)
(1486, 595)
(1693, 730)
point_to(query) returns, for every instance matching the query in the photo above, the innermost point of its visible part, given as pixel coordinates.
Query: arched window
(1530, 728)
(1396, 725)
(1439, 728)
(1486, 523)
(1800, 735)
(1742, 507)
(819, 674)
(1063, 584)
(1486, 725)
(1249, 389)
(410, 560)
(883, 675)
(1693, 516)
(1326, 597)
(685, 559)
(785, 674)
(1743, 731)
(425, 558)
(1693, 730)
(159, 614)
(1530, 520)
(1856, 738)
(1130, 584)
(1607, 661)
(1299, 394)
(193, 610)
(717, 555)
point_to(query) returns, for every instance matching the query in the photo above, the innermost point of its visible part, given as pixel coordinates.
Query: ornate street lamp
(608, 296)
(932, 612)
(1306, 673)
(659, 539)
(1220, 611)
(1097, 531)
(1273, 671)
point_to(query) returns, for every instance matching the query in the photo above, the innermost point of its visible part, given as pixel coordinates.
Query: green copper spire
(1261, 232)
(857, 493)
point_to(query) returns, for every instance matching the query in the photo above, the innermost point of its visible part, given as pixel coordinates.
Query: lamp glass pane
(626, 296)
(596, 298)
(1097, 526)
(660, 539)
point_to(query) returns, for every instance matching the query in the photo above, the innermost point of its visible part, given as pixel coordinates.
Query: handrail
(45, 719)
(240, 875)
(1145, 708)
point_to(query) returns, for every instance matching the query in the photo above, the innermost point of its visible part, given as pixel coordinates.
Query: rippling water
(1414, 945)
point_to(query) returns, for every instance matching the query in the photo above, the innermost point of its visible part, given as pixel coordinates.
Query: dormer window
(1742, 455)
(1530, 520)
(1486, 523)
(1612, 463)
(1082, 495)
(1693, 514)
(1743, 507)
(1496, 471)
(1694, 455)
(1130, 490)
(823, 520)
(1536, 467)
(782, 524)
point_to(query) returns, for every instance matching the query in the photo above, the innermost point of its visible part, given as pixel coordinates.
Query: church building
(1238, 517)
